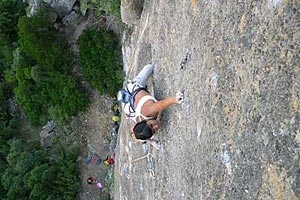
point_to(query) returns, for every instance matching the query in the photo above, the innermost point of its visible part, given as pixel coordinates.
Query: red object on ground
(110, 161)
(91, 180)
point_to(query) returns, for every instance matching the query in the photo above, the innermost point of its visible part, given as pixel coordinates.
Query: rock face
(46, 133)
(237, 135)
(131, 11)
(62, 7)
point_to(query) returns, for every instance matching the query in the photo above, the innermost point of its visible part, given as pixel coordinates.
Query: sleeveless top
(138, 109)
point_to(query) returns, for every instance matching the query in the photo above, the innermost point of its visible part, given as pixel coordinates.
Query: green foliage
(41, 75)
(12, 177)
(6, 133)
(66, 97)
(110, 6)
(5, 56)
(9, 126)
(43, 43)
(3, 166)
(33, 173)
(4, 94)
(35, 64)
(100, 58)
(10, 11)
(45, 86)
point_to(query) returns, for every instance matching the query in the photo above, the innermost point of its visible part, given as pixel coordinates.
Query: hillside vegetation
(38, 84)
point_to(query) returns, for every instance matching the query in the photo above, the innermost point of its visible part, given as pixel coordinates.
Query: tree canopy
(100, 59)
(36, 79)
(45, 85)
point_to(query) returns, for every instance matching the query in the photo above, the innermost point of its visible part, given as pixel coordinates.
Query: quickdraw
(184, 62)
(149, 156)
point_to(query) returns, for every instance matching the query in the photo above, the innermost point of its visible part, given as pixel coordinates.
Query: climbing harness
(127, 98)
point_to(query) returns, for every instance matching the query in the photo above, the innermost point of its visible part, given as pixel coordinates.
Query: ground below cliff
(237, 136)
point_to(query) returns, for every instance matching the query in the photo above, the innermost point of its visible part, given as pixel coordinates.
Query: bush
(43, 43)
(100, 59)
(10, 11)
(33, 173)
(66, 97)
(46, 88)
(110, 6)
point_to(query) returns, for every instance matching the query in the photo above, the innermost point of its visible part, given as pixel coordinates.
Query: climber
(141, 107)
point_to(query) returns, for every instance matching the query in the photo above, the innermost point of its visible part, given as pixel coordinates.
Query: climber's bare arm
(159, 106)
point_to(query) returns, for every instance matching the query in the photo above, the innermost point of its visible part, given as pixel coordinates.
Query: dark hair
(142, 131)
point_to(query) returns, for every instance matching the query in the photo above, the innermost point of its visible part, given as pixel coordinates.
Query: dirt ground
(93, 130)
(96, 127)
(237, 136)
